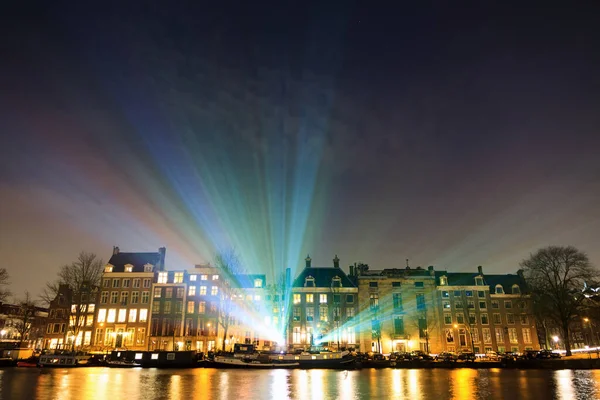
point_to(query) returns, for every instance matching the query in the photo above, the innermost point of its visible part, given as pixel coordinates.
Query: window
(192, 291)
(114, 297)
(296, 335)
(132, 314)
(106, 283)
(162, 277)
(398, 326)
(526, 335)
(512, 335)
(350, 298)
(499, 336)
(143, 314)
(124, 298)
(336, 282)
(462, 337)
(419, 285)
(167, 309)
(178, 277)
(396, 284)
(145, 297)
(349, 312)
(215, 277)
(516, 289)
(122, 315)
(447, 318)
(443, 281)
(475, 336)
(112, 314)
(297, 298)
(470, 304)
(478, 281)
(420, 302)
(373, 284)
(497, 319)
(323, 298)
(524, 319)
(108, 268)
(214, 290)
(499, 289)
(522, 305)
(323, 313)
(458, 304)
(147, 283)
(495, 304)
(482, 305)
(481, 294)
(469, 293)
(148, 268)
(449, 336)
(102, 315)
(472, 319)
(508, 304)
(202, 290)
(203, 277)
(193, 278)
(445, 294)
(258, 283)
(457, 293)
(104, 298)
(180, 292)
(296, 313)
(446, 304)
(310, 314)
(460, 318)
(126, 283)
(179, 307)
(397, 299)
(310, 298)
(336, 299)
(374, 301)
(155, 308)
(484, 319)
(169, 292)
(510, 319)
(487, 335)
(190, 307)
(157, 292)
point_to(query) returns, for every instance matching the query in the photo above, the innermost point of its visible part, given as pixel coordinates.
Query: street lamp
(555, 338)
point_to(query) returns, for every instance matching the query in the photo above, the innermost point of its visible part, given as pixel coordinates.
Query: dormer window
(309, 282)
(148, 268)
(516, 289)
(128, 268)
(162, 277)
(443, 280)
(499, 289)
(478, 281)
(336, 282)
(258, 283)
(108, 268)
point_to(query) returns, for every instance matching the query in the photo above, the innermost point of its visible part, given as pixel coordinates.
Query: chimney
(162, 251)
(480, 270)
(431, 270)
(115, 250)
(352, 270)
(336, 262)
(308, 260)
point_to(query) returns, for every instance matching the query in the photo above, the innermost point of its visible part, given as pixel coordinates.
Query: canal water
(437, 384)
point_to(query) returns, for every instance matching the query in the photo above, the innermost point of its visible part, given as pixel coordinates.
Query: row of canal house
(142, 306)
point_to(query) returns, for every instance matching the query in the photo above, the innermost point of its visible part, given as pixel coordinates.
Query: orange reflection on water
(463, 383)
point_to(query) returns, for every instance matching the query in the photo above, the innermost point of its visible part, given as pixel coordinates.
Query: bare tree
(229, 263)
(25, 317)
(83, 279)
(556, 277)
(4, 282)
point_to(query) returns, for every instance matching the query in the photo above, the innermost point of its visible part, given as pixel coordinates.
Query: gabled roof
(468, 279)
(138, 260)
(323, 277)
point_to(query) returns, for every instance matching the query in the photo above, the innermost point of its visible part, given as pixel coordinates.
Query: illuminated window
(214, 290)
(310, 298)
(203, 277)
(526, 335)
(310, 314)
(323, 298)
(132, 315)
(215, 277)
(179, 292)
(128, 268)
(202, 290)
(192, 291)
(193, 278)
(157, 292)
(122, 315)
(102, 315)
(323, 313)
(162, 277)
(168, 292)
(112, 314)
(512, 335)
(297, 313)
(108, 268)
(143, 314)
(258, 283)
(202, 307)
(297, 298)
(178, 277)
(256, 297)
(190, 307)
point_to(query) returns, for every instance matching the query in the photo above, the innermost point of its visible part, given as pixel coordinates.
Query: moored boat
(64, 360)
(256, 363)
(122, 364)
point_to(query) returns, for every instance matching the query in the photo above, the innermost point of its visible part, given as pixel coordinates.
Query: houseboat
(64, 360)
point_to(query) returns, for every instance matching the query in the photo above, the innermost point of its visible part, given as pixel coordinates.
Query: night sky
(453, 136)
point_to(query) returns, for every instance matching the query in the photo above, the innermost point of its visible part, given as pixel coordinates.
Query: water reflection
(439, 384)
